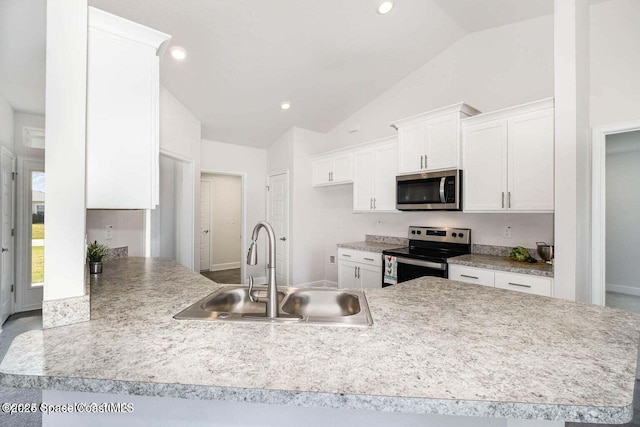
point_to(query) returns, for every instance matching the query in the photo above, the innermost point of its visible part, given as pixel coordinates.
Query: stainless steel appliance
(545, 251)
(428, 250)
(430, 191)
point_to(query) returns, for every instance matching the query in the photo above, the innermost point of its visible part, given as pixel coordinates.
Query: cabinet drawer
(479, 276)
(362, 257)
(524, 283)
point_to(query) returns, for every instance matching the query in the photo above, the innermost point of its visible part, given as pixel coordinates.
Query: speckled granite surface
(392, 240)
(502, 251)
(117, 253)
(370, 246)
(65, 311)
(503, 264)
(436, 346)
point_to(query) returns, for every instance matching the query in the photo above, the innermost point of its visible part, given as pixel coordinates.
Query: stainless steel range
(428, 250)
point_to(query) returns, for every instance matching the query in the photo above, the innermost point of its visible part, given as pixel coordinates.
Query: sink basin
(297, 305)
(320, 303)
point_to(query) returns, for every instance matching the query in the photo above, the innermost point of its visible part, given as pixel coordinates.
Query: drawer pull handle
(469, 277)
(369, 259)
(518, 284)
(345, 255)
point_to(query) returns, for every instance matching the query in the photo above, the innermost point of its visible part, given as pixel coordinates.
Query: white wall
(623, 205)
(6, 124)
(20, 121)
(126, 229)
(226, 221)
(489, 70)
(615, 62)
(251, 163)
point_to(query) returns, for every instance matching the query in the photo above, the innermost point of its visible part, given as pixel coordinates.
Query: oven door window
(419, 191)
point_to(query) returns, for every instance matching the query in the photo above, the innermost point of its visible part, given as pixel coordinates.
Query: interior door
(6, 260)
(278, 217)
(205, 224)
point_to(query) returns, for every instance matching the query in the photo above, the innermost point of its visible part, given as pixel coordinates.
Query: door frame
(599, 205)
(243, 209)
(288, 213)
(13, 245)
(209, 263)
(26, 165)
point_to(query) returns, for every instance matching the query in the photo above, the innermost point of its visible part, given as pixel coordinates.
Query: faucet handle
(251, 298)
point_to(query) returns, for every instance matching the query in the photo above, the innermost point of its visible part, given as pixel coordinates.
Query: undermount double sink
(324, 306)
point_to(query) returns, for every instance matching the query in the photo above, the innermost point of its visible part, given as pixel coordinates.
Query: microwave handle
(443, 199)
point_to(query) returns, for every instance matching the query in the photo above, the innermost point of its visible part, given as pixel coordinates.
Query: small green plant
(96, 251)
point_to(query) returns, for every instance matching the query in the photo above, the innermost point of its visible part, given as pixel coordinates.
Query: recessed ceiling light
(178, 53)
(385, 7)
(285, 105)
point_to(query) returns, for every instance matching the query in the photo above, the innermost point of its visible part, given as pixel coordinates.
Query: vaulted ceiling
(328, 58)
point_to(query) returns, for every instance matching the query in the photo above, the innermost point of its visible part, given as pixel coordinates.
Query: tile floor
(14, 326)
(225, 276)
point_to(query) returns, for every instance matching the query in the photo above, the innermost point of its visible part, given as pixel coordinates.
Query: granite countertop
(370, 246)
(436, 346)
(503, 264)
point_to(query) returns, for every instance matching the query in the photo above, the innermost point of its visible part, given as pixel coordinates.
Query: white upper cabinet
(508, 159)
(431, 141)
(122, 113)
(332, 169)
(374, 181)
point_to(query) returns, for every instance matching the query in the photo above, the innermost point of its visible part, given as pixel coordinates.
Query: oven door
(410, 268)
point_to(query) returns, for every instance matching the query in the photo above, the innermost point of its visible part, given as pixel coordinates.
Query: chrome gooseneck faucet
(252, 259)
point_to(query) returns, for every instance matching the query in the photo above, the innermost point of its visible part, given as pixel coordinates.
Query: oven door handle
(443, 199)
(419, 263)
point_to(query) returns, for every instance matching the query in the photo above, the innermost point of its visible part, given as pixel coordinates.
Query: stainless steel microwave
(430, 191)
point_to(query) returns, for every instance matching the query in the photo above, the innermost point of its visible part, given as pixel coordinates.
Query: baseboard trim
(225, 266)
(623, 289)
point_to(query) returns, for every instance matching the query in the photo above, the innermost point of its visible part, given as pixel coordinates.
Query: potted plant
(95, 252)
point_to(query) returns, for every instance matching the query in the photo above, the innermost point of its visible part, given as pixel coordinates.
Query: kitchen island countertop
(501, 263)
(436, 347)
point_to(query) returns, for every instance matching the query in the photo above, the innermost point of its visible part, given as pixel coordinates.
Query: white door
(363, 181)
(386, 169)
(485, 166)
(442, 137)
(278, 217)
(411, 148)
(531, 165)
(205, 224)
(6, 261)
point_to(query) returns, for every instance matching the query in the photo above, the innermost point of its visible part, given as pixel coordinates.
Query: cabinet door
(321, 171)
(122, 81)
(347, 277)
(531, 162)
(484, 149)
(342, 169)
(443, 142)
(412, 147)
(370, 277)
(386, 169)
(363, 179)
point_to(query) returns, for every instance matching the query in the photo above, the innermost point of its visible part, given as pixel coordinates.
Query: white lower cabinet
(501, 279)
(359, 269)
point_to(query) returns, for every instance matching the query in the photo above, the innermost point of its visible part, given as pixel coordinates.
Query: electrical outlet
(332, 259)
(378, 225)
(108, 232)
(506, 232)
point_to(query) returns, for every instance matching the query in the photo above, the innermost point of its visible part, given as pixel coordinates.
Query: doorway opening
(221, 227)
(616, 202)
(171, 224)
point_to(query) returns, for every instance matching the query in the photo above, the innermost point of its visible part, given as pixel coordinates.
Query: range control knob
(459, 235)
(419, 232)
(413, 231)
(454, 235)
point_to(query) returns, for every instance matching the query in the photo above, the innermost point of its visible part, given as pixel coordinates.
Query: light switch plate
(108, 232)
(506, 233)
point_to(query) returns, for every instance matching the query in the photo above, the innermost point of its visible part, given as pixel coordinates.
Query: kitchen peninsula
(436, 348)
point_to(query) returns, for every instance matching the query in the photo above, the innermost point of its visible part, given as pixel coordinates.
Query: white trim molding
(599, 206)
(623, 289)
(226, 266)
